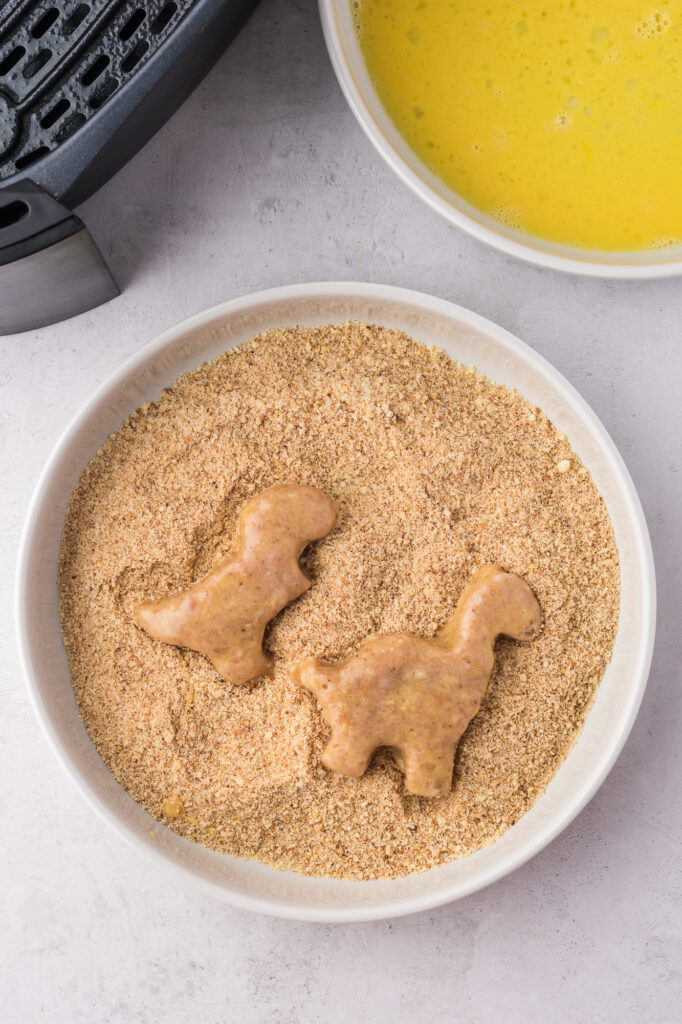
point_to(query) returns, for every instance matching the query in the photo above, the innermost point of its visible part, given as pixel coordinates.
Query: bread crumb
(172, 807)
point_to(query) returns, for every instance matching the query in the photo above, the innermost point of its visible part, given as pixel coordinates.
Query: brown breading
(436, 471)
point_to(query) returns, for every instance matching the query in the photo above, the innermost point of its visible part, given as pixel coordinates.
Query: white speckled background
(263, 178)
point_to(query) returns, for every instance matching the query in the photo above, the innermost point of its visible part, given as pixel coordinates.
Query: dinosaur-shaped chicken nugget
(418, 695)
(224, 615)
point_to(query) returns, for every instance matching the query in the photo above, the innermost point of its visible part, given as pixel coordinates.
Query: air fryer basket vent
(61, 60)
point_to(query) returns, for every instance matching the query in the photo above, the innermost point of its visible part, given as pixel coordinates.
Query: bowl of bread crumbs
(445, 443)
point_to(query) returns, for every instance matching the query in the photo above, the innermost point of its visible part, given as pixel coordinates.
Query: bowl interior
(357, 85)
(465, 337)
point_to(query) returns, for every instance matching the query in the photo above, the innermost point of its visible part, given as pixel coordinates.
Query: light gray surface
(263, 178)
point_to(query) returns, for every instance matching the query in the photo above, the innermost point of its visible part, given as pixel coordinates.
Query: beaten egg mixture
(560, 119)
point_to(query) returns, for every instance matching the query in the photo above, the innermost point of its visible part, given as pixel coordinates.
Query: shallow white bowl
(466, 337)
(349, 65)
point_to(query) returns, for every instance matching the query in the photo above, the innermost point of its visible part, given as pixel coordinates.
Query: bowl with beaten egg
(551, 132)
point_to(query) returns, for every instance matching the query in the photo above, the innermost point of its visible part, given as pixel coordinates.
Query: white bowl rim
(639, 670)
(529, 251)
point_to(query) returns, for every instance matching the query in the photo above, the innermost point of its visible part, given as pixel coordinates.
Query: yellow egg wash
(561, 119)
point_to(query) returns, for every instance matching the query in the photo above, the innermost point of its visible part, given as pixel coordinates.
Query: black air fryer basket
(84, 84)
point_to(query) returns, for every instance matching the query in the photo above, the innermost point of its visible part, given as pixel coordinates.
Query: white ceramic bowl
(466, 337)
(349, 65)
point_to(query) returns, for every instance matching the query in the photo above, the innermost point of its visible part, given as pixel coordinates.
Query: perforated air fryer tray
(60, 63)
(84, 84)
(66, 64)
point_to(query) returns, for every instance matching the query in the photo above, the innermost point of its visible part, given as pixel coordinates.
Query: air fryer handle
(30, 220)
(50, 267)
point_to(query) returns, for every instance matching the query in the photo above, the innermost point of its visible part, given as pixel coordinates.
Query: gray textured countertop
(264, 178)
